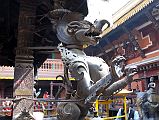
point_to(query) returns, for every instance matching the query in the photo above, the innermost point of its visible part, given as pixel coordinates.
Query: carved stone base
(24, 115)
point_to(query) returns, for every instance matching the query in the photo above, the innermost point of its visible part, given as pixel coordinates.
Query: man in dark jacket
(132, 114)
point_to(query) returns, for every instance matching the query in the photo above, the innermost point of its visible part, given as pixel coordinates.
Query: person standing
(132, 114)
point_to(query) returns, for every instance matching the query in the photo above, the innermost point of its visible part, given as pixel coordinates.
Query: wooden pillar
(51, 89)
(24, 70)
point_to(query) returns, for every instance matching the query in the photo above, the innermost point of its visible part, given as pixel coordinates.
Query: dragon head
(74, 30)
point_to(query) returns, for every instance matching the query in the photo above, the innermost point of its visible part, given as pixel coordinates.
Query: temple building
(135, 35)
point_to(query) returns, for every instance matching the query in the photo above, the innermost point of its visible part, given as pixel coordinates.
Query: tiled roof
(126, 16)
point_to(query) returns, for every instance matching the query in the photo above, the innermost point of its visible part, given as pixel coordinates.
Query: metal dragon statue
(148, 103)
(94, 77)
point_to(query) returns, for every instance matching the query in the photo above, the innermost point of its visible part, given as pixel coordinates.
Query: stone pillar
(23, 82)
(24, 70)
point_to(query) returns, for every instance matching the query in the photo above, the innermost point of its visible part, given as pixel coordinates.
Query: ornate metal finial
(152, 83)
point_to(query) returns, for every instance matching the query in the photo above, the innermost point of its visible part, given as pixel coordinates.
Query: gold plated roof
(126, 16)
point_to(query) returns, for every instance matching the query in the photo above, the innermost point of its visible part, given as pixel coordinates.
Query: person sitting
(132, 114)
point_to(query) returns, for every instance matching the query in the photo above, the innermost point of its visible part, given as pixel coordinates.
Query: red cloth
(46, 95)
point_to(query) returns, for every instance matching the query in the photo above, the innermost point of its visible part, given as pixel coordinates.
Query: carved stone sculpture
(148, 103)
(92, 74)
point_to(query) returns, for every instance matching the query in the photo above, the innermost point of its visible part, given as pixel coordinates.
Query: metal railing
(46, 105)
